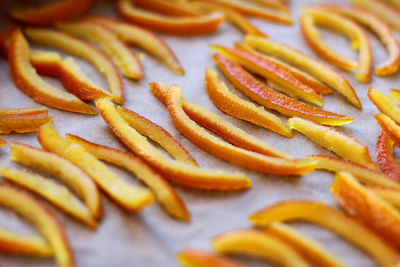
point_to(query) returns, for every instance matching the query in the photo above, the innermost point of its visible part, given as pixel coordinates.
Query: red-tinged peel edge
(386, 160)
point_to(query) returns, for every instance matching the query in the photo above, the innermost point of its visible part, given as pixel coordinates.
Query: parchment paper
(151, 238)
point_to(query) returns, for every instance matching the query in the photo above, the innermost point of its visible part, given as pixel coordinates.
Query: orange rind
(166, 7)
(226, 151)
(219, 125)
(271, 99)
(386, 160)
(83, 50)
(126, 60)
(270, 70)
(51, 13)
(384, 104)
(391, 128)
(24, 120)
(312, 17)
(332, 219)
(165, 194)
(30, 83)
(174, 171)
(277, 4)
(231, 104)
(131, 198)
(167, 24)
(261, 245)
(367, 207)
(395, 95)
(62, 169)
(391, 195)
(199, 258)
(311, 66)
(44, 220)
(46, 63)
(2, 142)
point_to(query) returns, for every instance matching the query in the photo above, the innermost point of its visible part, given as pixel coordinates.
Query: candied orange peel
(391, 128)
(166, 7)
(24, 120)
(197, 258)
(386, 160)
(219, 125)
(2, 142)
(271, 99)
(332, 219)
(311, 66)
(328, 137)
(175, 171)
(384, 104)
(165, 194)
(231, 104)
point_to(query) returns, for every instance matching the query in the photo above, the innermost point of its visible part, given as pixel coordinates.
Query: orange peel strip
(329, 138)
(256, 10)
(53, 192)
(236, 107)
(261, 245)
(379, 28)
(332, 219)
(175, 171)
(313, 67)
(166, 24)
(312, 250)
(43, 218)
(51, 13)
(219, 125)
(146, 40)
(271, 99)
(46, 63)
(83, 50)
(386, 160)
(30, 83)
(167, 196)
(131, 198)
(365, 206)
(384, 104)
(359, 38)
(395, 95)
(277, 4)
(63, 170)
(391, 128)
(199, 258)
(24, 120)
(391, 195)
(2, 142)
(226, 151)
(270, 70)
(362, 173)
(166, 7)
(158, 134)
(126, 60)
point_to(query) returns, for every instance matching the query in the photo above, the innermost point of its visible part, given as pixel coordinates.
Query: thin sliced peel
(311, 66)
(261, 245)
(166, 7)
(219, 125)
(2, 142)
(167, 196)
(199, 258)
(386, 160)
(384, 104)
(236, 107)
(341, 144)
(23, 120)
(391, 195)
(130, 197)
(391, 128)
(332, 219)
(175, 171)
(226, 151)
(271, 99)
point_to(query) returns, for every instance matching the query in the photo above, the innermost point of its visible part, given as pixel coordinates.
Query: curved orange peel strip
(391, 128)
(166, 7)
(43, 218)
(271, 99)
(277, 4)
(165, 193)
(236, 107)
(199, 258)
(261, 245)
(63, 170)
(329, 138)
(51, 13)
(379, 28)
(226, 151)
(158, 134)
(2, 142)
(53, 192)
(175, 171)
(395, 95)
(29, 82)
(83, 50)
(312, 250)
(386, 160)
(46, 63)
(270, 70)
(332, 219)
(146, 40)
(166, 24)
(360, 42)
(384, 104)
(126, 60)
(131, 198)
(362, 173)
(311, 66)
(23, 120)
(391, 195)
(366, 207)
(219, 125)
